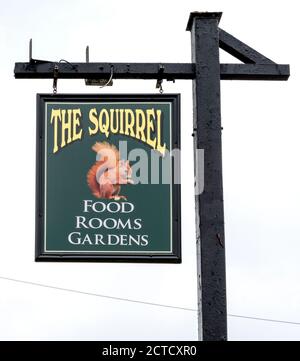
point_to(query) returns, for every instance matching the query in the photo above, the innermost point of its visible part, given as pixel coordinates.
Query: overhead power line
(265, 319)
(96, 294)
(136, 301)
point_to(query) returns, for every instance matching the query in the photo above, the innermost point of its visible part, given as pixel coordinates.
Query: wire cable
(95, 294)
(137, 301)
(265, 319)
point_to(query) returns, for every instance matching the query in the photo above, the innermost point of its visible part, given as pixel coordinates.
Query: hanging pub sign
(108, 178)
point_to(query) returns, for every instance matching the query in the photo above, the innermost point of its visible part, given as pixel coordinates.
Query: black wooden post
(212, 316)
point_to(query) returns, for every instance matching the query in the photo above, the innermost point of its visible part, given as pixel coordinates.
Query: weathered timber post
(212, 317)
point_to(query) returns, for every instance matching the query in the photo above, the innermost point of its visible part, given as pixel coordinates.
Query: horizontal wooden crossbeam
(44, 70)
(255, 72)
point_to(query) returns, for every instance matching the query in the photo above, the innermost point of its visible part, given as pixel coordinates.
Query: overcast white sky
(260, 161)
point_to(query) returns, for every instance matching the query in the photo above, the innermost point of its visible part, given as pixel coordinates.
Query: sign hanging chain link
(161, 88)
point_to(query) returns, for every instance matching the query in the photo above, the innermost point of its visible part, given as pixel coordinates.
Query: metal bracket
(96, 82)
(33, 62)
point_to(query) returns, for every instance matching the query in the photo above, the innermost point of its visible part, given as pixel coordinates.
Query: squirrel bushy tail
(107, 158)
(106, 150)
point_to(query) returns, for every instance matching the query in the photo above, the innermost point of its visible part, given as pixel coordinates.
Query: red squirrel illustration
(108, 173)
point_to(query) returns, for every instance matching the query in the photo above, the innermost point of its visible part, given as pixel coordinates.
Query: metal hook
(161, 88)
(55, 76)
(161, 70)
(109, 81)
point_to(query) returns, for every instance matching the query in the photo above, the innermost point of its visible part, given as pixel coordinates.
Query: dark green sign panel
(108, 184)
